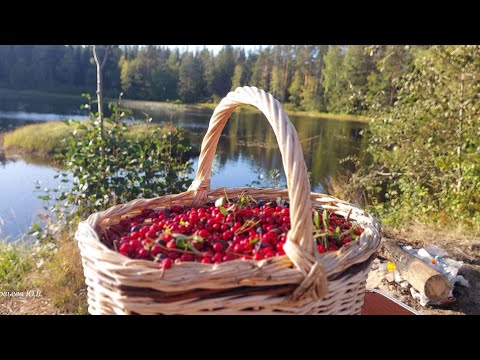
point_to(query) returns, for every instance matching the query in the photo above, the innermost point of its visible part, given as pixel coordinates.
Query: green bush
(425, 149)
(114, 162)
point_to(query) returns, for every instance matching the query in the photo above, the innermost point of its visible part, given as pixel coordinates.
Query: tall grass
(44, 138)
(53, 268)
(15, 263)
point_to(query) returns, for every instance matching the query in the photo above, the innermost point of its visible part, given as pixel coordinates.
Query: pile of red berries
(224, 231)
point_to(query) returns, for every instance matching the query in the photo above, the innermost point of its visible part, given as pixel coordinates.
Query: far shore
(207, 107)
(159, 105)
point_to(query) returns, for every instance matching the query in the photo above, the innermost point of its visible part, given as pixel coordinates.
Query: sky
(215, 48)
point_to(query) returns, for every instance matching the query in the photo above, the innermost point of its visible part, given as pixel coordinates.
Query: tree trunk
(422, 277)
(100, 66)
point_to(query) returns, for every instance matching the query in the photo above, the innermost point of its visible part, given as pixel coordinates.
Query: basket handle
(298, 183)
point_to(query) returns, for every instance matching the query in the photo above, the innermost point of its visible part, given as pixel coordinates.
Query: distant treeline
(329, 78)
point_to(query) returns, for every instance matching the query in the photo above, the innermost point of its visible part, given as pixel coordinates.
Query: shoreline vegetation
(159, 105)
(179, 106)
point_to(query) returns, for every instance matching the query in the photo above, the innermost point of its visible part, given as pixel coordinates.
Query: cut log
(422, 277)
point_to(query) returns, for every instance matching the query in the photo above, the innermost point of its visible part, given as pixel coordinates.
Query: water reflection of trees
(324, 143)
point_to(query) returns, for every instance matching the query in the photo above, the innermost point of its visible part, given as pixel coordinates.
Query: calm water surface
(247, 146)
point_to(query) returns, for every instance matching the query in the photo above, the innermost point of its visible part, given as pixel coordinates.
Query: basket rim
(334, 262)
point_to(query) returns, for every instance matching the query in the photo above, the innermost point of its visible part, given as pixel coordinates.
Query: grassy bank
(52, 270)
(45, 139)
(158, 105)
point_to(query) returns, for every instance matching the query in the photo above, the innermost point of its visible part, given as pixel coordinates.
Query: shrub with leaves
(116, 164)
(425, 149)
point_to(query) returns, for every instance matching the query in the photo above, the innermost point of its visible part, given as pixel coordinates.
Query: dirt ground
(27, 306)
(459, 247)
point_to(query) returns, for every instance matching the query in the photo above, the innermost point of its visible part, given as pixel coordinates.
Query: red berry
(321, 248)
(217, 257)
(346, 240)
(143, 253)
(156, 249)
(125, 249)
(206, 260)
(204, 233)
(172, 244)
(134, 235)
(167, 263)
(218, 247)
(238, 248)
(151, 234)
(227, 257)
(135, 243)
(167, 237)
(227, 235)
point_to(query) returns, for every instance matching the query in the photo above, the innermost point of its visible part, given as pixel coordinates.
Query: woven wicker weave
(301, 282)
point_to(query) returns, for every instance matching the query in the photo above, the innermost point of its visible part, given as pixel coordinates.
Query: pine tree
(333, 82)
(223, 72)
(190, 79)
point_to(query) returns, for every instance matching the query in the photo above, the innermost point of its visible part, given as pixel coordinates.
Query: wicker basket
(301, 282)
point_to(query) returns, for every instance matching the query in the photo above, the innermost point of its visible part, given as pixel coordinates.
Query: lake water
(246, 148)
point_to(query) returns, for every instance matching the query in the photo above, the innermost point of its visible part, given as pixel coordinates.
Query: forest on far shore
(325, 78)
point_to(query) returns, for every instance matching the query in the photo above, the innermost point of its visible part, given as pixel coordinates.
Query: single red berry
(135, 243)
(217, 257)
(151, 235)
(346, 240)
(228, 257)
(227, 235)
(143, 253)
(238, 248)
(134, 235)
(172, 244)
(156, 249)
(125, 249)
(321, 248)
(167, 263)
(218, 247)
(206, 260)
(204, 233)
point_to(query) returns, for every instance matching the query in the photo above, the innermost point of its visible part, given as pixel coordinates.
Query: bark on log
(421, 276)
